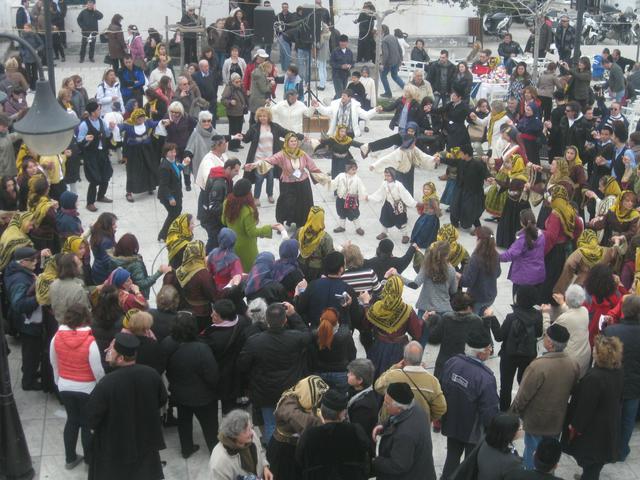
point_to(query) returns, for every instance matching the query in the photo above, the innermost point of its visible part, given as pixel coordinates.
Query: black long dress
(468, 200)
(366, 40)
(142, 158)
(509, 223)
(123, 412)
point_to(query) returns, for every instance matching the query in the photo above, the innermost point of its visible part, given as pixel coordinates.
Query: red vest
(72, 351)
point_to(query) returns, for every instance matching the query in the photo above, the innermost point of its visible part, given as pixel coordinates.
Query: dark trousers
(207, 416)
(509, 364)
(58, 50)
(455, 449)
(386, 142)
(190, 50)
(75, 403)
(340, 80)
(32, 74)
(590, 470)
(235, 126)
(172, 214)
(91, 191)
(212, 235)
(115, 64)
(547, 106)
(88, 38)
(32, 346)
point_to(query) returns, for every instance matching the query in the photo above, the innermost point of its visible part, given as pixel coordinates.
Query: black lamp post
(47, 129)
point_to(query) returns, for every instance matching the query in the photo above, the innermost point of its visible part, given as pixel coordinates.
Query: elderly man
(289, 113)
(208, 82)
(405, 451)
(472, 398)
(425, 387)
(344, 111)
(336, 449)
(544, 391)
(423, 86)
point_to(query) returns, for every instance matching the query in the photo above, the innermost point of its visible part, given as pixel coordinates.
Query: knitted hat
(335, 400)
(120, 275)
(558, 333)
(126, 344)
(400, 392)
(478, 338)
(24, 253)
(68, 200)
(242, 187)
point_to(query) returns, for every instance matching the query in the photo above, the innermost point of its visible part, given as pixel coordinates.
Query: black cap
(126, 344)
(400, 392)
(479, 337)
(24, 253)
(335, 400)
(242, 187)
(558, 333)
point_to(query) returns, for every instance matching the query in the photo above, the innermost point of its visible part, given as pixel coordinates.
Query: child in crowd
(292, 81)
(396, 200)
(369, 85)
(350, 190)
(426, 227)
(359, 93)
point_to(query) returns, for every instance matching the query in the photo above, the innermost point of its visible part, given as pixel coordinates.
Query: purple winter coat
(527, 266)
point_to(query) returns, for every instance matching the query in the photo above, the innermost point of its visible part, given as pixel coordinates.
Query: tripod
(309, 93)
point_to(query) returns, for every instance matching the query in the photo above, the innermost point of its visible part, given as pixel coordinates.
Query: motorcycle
(618, 26)
(590, 30)
(496, 23)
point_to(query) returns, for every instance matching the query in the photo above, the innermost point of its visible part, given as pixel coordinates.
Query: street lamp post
(48, 44)
(47, 129)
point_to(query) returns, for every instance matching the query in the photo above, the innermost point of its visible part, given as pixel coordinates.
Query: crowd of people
(243, 339)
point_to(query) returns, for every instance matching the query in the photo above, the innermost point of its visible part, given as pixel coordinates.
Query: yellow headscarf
(193, 261)
(41, 209)
(137, 113)
(14, 237)
(72, 244)
(179, 235)
(312, 232)
(622, 214)
(390, 312)
(44, 281)
(23, 152)
(457, 253)
(342, 140)
(518, 169)
(562, 171)
(611, 186)
(588, 245)
(563, 210)
(578, 160)
(308, 392)
(432, 196)
(291, 153)
(492, 121)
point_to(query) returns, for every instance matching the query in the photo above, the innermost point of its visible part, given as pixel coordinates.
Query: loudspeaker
(263, 20)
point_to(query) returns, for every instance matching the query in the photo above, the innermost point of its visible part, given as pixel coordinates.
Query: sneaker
(193, 450)
(405, 239)
(381, 236)
(338, 230)
(360, 231)
(271, 200)
(443, 177)
(386, 95)
(129, 198)
(92, 208)
(105, 200)
(74, 464)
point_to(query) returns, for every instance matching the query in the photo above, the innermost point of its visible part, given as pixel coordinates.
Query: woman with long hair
(332, 349)
(463, 81)
(67, 287)
(107, 320)
(8, 193)
(497, 456)
(480, 275)
(240, 214)
(179, 235)
(315, 243)
(593, 433)
(526, 254)
(458, 255)
(605, 292)
(520, 78)
(44, 232)
(580, 82)
(103, 237)
(296, 196)
(115, 39)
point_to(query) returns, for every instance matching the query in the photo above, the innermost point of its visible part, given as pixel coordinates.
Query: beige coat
(425, 387)
(575, 266)
(576, 321)
(544, 393)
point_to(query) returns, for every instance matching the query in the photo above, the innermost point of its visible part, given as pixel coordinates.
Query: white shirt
(348, 184)
(290, 116)
(157, 74)
(209, 161)
(393, 192)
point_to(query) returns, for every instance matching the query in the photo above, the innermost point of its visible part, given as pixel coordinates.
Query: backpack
(522, 338)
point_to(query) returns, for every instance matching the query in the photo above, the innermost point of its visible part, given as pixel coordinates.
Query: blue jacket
(67, 224)
(20, 283)
(338, 58)
(130, 80)
(472, 398)
(102, 265)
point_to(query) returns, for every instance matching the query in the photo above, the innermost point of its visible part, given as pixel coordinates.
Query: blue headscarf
(409, 140)
(288, 259)
(261, 273)
(223, 256)
(118, 277)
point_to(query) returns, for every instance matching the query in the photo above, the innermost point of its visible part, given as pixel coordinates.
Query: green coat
(247, 233)
(136, 267)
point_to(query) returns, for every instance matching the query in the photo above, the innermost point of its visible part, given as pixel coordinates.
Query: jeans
(479, 307)
(213, 230)
(88, 38)
(340, 81)
(207, 416)
(393, 69)
(437, 97)
(455, 448)
(304, 57)
(258, 187)
(172, 213)
(269, 419)
(221, 56)
(618, 95)
(285, 53)
(75, 403)
(628, 422)
(509, 364)
(531, 443)
(322, 74)
(337, 380)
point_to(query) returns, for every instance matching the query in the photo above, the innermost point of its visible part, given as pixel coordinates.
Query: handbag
(351, 202)
(399, 207)
(107, 59)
